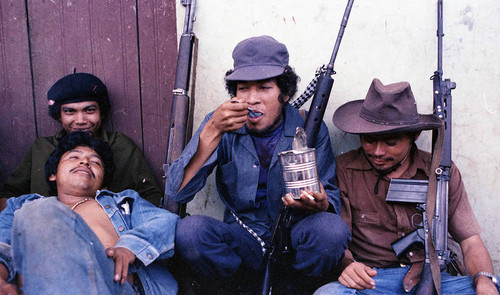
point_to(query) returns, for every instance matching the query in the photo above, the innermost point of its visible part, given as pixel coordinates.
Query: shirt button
(363, 216)
(121, 228)
(150, 256)
(410, 254)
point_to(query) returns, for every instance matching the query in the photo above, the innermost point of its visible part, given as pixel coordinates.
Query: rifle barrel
(181, 113)
(189, 16)
(324, 87)
(343, 24)
(440, 35)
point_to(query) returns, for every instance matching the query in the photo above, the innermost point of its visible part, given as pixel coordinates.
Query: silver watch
(486, 274)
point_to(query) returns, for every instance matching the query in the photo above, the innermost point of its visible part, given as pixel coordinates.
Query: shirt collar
(361, 163)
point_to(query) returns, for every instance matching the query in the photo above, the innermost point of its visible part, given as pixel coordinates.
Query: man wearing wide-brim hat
(388, 124)
(244, 145)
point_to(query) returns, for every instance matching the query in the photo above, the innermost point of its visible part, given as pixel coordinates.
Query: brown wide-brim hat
(385, 109)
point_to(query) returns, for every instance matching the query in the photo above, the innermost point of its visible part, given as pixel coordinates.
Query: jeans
(57, 253)
(217, 249)
(390, 281)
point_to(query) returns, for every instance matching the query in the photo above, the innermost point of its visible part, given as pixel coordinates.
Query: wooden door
(130, 44)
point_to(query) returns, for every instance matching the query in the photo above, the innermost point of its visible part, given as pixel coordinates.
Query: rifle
(182, 106)
(437, 254)
(442, 103)
(278, 250)
(281, 231)
(324, 87)
(409, 191)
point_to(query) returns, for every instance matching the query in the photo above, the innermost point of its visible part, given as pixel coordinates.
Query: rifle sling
(431, 206)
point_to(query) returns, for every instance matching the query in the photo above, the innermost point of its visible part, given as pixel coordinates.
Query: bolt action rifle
(182, 106)
(435, 217)
(279, 249)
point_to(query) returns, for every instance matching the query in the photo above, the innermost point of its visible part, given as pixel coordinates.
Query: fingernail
(117, 277)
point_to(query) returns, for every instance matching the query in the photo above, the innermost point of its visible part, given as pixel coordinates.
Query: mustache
(380, 157)
(87, 169)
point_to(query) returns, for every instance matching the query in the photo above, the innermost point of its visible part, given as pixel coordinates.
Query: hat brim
(347, 119)
(255, 73)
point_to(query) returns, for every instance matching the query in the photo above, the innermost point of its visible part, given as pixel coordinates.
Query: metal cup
(299, 171)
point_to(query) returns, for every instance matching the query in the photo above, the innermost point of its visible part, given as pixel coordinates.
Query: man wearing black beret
(80, 102)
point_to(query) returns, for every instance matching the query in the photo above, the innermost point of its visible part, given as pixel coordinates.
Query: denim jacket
(238, 172)
(142, 228)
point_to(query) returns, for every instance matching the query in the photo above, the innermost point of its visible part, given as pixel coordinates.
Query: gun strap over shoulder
(431, 206)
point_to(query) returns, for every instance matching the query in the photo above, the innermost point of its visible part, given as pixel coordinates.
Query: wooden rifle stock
(182, 104)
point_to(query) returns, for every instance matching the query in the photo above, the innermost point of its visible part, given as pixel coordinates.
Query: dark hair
(71, 141)
(287, 83)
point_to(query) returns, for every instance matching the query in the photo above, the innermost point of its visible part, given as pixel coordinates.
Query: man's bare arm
(477, 258)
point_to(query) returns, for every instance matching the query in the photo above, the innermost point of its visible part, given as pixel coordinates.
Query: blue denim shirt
(142, 228)
(238, 173)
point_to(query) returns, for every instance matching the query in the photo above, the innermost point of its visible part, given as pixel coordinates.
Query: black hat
(77, 87)
(386, 109)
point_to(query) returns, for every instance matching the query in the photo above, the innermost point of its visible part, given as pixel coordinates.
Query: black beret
(76, 87)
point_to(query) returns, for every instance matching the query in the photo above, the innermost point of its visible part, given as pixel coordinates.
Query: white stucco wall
(393, 40)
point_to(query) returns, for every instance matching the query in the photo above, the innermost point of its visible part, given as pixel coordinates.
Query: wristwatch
(486, 274)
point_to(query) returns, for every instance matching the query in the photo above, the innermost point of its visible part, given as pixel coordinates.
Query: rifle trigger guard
(415, 224)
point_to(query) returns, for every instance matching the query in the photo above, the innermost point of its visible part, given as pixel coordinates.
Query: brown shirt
(375, 224)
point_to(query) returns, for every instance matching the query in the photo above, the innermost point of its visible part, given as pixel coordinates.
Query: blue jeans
(57, 253)
(217, 249)
(390, 281)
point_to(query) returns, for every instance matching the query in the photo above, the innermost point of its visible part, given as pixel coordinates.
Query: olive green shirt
(131, 169)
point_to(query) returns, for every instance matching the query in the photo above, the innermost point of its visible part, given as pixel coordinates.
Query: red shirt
(375, 224)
